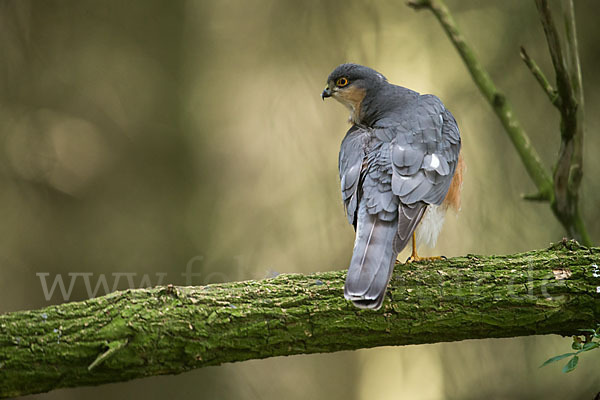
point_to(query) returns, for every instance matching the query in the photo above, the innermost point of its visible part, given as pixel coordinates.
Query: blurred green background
(145, 136)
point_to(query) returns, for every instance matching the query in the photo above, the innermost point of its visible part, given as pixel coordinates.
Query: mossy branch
(168, 330)
(560, 190)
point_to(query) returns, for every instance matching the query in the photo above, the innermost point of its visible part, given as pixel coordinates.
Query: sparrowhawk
(400, 169)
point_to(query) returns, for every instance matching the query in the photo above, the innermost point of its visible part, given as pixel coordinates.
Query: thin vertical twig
(541, 78)
(568, 170)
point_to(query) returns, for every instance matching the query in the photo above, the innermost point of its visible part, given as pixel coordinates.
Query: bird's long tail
(372, 260)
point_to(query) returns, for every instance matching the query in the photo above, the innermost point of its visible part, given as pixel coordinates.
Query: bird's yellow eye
(341, 82)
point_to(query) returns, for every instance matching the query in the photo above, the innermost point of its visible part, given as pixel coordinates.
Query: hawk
(400, 170)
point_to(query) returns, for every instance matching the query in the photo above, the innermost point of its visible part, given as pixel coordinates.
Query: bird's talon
(413, 259)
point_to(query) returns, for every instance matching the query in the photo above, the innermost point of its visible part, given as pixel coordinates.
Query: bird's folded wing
(352, 154)
(411, 162)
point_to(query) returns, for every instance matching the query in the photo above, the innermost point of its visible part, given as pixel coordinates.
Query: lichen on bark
(168, 330)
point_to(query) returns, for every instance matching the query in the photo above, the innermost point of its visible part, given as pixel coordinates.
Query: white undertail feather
(431, 225)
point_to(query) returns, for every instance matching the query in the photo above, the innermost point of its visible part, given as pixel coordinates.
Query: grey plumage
(399, 156)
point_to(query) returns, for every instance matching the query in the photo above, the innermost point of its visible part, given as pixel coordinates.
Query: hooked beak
(326, 93)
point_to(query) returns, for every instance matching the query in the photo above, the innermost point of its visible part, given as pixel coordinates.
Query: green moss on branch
(168, 330)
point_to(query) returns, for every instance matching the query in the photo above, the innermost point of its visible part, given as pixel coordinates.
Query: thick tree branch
(562, 189)
(168, 330)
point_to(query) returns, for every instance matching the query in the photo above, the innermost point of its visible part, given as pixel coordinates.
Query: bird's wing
(410, 163)
(424, 153)
(352, 155)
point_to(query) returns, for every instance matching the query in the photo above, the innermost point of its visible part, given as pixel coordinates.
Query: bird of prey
(400, 170)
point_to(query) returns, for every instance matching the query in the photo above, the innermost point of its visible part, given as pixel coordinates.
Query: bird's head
(350, 84)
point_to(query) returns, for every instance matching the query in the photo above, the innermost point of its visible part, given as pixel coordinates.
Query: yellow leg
(414, 257)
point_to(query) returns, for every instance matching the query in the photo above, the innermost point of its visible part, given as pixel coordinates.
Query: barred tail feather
(376, 247)
(372, 260)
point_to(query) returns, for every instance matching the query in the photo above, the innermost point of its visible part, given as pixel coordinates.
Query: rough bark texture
(168, 330)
